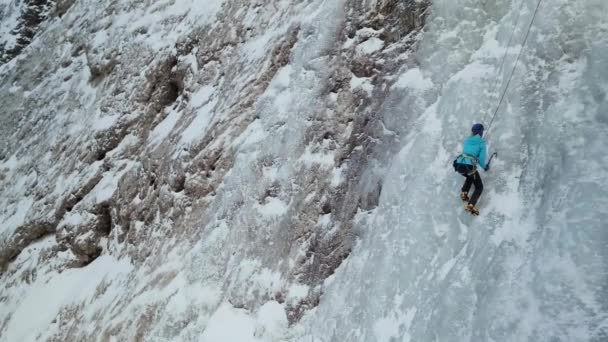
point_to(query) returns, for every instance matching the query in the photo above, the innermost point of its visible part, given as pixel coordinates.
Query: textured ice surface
(532, 267)
(252, 142)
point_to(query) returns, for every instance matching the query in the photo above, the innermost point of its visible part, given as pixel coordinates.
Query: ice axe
(490, 160)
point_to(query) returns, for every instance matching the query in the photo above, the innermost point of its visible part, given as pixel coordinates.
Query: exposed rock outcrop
(244, 141)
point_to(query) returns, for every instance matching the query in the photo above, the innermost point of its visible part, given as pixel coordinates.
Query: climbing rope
(504, 57)
(514, 65)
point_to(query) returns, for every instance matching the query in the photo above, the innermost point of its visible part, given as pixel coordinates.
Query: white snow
(310, 158)
(531, 267)
(386, 329)
(198, 127)
(105, 122)
(202, 96)
(257, 48)
(271, 321)
(15, 214)
(273, 207)
(254, 134)
(109, 183)
(164, 128)
(9, 12)
(367, 32)
(362, 83)
(414, 79)
(232, 324)
(297, 292)
(42, 302)
(337, 176)
(370, 46)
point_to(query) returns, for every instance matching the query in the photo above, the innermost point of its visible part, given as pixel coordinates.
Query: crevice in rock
(99, 71)
(400, 18)
(106, 142)
(12, 246)
(322, 259)
(164, 86)
(152, 181)
(172, 92)
(89, 256)
(70, 201)
(62, 7)
(104, 217)
(371, 198)
(25, 235)
(178, 182)
(326, 208)
(83, 239)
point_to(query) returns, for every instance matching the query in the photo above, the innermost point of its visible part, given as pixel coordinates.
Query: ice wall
(532, 267)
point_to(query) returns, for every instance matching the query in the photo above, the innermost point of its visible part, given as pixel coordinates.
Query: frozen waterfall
(533, 266)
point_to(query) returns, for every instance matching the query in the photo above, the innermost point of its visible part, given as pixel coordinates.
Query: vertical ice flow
(532, 266)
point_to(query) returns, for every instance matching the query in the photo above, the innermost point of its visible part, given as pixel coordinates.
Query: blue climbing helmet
(477, 129)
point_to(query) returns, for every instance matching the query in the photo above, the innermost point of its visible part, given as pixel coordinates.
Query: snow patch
(316, 158)
(232, 324)
(198, 127)
(273, 207)
(45, 298)
(202, 96)
(414, 79)
(370, 46)
(17, 217)
(297, 292)
(163, 129)
(362, 83)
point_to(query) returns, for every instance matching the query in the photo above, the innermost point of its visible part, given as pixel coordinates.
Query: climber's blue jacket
(473, 152)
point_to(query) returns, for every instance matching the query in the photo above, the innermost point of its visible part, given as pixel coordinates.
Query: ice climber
(473, 154)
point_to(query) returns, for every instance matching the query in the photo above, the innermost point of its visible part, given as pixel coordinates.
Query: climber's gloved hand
(487, 168)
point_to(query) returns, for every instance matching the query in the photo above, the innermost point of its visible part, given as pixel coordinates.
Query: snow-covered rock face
(181, 164)
(20, 21)
(228, 170)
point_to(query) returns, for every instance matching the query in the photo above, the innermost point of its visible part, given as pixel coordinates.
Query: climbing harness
(523, 45)
(472, 158)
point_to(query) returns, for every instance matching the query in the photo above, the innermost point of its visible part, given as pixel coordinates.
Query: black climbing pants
(471, 179)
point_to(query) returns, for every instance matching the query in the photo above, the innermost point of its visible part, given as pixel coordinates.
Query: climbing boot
(464, 196)
(471, 209)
